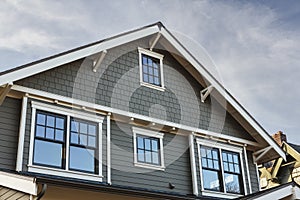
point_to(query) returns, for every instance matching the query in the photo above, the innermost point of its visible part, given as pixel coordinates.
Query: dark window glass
(148, 150)
(49, 139)
(151, 72)
(211, 171)
(83, 146)
(232, 172)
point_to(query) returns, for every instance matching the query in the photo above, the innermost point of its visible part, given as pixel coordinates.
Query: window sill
(64, 173)
(220, 194)
(149, 166)
(153, 86)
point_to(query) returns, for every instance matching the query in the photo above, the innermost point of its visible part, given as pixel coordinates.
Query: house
(279, 171)
(133, 116)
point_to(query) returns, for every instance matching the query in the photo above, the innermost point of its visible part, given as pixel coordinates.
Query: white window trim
(154, 55)
(220, 146)
(140, 131)
(68, 113)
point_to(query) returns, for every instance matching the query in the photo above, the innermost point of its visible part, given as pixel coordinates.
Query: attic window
(151, 69)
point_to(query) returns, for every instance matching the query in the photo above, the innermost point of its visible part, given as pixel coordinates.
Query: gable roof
(236, 109)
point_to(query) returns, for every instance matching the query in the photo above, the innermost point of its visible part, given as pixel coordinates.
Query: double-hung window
(221, 168)
(151, 69)
(148, 148)
(65, 142)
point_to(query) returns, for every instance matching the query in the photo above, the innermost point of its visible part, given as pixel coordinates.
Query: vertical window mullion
(67, 142)
(222, 170)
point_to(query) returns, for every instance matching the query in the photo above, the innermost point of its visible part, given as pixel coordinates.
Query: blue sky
(255, 45)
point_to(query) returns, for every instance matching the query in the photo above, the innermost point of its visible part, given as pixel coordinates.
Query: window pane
(50, 121)
(224, 157)
(155, 72)
(59, 135)
(232, 183)
(92, 141)
(92, 130)
(141, 155)
(226, 167)
(83, 139)
(147, 144)
(154, 145)
(237, 168)
(140, 142)
(41, 119)
(235, 159)
(74, 138)
(150, 70)
(47, 153)
(215, 155)
(50, 133)
(208, 153)
(203, 152)
(149, 61)
(216, 164)
(148, 156)
(204, 162)
(211, 180)
(82, 159)
(40, 131)
(145, 78)
(155, 159)
(150, 79)
(229, 158)
(144, 59)
(231, 169)
(74, 126)
(145, 69)
(210, 163)
(83, 128)
(59, 123)
(155, 65)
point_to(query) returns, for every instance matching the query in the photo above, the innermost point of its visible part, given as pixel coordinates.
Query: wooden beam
(153, 42)
(99, 60)
(4, 92)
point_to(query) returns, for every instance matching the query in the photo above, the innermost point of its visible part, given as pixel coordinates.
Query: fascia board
(221, 90)
(60, 60)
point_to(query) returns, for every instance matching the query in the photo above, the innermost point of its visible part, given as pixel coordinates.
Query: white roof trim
(17, 182)
(116, 41)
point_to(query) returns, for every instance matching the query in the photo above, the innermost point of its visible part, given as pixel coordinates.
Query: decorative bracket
(154, 41)
(260, 153)
(5, 90)
(99, 60)
(205, 92)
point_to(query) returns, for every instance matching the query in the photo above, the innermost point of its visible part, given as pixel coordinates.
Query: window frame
(156, 56)
(229, 148)
(153, 134)
(66, 171)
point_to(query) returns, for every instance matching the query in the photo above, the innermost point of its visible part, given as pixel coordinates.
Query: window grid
(151, 70)
(210, 163)
(50, 143)
(50, 130)
(84, 137)
(148, 150)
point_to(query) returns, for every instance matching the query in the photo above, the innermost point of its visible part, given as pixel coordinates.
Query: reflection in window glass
(82, 159)
(47, 153)
(211, 180)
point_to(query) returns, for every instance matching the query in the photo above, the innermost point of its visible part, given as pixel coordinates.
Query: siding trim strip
(108, 149)
(193, 164)
(21, 135)
(247, 169)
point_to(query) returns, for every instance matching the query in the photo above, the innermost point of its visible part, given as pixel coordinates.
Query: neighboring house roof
(286, 191)
(294, 146)
(15, 186)
(266, 149)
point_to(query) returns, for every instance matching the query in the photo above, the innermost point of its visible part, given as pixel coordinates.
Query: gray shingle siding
(177, 163)
(9, 132)
(117, 84)
(253, 173)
